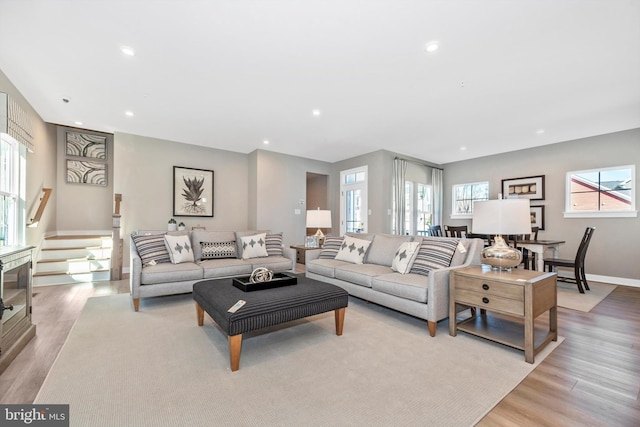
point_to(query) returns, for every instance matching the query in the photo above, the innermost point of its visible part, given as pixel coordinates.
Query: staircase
(73, 259)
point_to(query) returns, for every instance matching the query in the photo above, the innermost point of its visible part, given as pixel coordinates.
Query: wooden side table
(518, 296)
(300, 252)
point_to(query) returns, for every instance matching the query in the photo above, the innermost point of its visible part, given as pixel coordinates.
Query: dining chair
(435, 231)
(456, 231)
(528, 257)
(577, 264)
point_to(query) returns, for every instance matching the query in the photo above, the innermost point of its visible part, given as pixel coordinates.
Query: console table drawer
(490, 287)
(490, 302)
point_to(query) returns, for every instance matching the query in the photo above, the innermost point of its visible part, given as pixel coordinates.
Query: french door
(353, 200)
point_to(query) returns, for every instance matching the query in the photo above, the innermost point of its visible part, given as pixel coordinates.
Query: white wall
(613, 247)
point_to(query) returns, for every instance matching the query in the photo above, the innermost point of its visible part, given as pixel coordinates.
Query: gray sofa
(153, 274)
(423, 295)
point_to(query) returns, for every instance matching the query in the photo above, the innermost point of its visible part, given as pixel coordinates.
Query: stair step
(63, 278)
(78, 236)
(72, 265)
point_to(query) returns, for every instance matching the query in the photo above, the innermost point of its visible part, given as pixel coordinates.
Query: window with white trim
(12, 156)
(463, 196)
(605, 192)
(418, 208)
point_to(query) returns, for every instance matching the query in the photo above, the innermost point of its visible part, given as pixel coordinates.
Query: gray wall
(84, 207)
(143, 174)
(614, 244)
(41, 167)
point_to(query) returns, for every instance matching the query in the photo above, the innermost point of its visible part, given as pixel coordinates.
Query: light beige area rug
(158, 368)
(570, 297)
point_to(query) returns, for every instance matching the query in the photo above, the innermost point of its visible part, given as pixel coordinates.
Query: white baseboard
(607, 279)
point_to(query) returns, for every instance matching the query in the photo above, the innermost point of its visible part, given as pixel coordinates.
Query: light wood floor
(591, 379)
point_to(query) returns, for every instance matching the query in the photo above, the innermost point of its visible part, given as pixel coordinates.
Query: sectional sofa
(406, 273)
(164, 263)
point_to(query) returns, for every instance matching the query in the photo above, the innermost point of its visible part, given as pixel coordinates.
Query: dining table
(539, 247)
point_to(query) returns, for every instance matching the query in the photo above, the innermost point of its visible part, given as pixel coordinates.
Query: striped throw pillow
(274, 244)
(330, 247)
(434, 253)
(151, 248)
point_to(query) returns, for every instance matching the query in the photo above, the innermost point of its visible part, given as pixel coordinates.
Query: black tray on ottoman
(278, 280)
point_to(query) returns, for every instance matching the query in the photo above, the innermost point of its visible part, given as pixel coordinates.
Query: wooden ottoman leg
(199, 314)
(339, 320)
(235, 346)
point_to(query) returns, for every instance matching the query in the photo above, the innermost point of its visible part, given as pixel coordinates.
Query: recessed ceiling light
(265, 142)
(432, 46)
(78, 123)
(540, 131)
(129, 113)
(129, 51)
(463, 148)
(316, 113)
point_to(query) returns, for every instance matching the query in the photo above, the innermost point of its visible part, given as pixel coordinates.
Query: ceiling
(230, 74)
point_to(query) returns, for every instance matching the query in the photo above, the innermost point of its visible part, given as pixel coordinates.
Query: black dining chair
(456, 231)
(435, 231)
(528, 257)
(577, 264)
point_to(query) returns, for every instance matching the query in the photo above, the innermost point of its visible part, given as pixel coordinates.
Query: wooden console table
(16, 284)
(301, 252)
(517, 296)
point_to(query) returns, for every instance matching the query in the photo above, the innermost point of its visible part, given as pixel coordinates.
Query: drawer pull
(485, 286)
(485, 300)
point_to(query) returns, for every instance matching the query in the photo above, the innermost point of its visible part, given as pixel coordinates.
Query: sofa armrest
(291, 255)
(312, 254)
(135, 270)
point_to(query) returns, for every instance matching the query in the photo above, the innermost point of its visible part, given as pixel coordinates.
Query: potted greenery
(172, 225)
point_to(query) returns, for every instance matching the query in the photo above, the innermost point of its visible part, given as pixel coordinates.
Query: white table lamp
(319, 219)
(507, 216)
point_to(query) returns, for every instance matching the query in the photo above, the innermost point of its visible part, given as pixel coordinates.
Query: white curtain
(399, 214)
(438, 191)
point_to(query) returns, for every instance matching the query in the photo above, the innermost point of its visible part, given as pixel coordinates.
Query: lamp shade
(319, 219)
(502, 216)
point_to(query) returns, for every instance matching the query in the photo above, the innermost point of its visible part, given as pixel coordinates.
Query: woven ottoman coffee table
(265, 308)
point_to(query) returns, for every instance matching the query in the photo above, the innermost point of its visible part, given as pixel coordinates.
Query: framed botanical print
(192, 192)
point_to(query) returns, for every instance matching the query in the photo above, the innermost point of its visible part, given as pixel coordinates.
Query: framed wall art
(81, 172)
(537, 217)
(531, 187)
(192, 192)
(86, 145)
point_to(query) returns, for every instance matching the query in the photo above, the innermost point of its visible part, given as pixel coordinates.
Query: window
(353, 200)
(464, 195)
(12, 156)
(607, 192)
(418, 208)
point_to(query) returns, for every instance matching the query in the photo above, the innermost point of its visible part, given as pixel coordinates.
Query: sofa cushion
(383, 248)
(151, 248)
(273, 263)
(274, 244)
(168, 272)
(330, 247)
(353, 250)
(254, 246)
(217, 250)
(360, 274)
(226, 267)
(404, 257)
(179, 248)
(434, 253)
(324, 267)
(409, 286)
(198, 236)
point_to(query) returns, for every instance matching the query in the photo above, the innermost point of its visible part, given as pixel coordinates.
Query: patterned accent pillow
(254, 246)
(353, 250)
(434, 253)
(179, 248)
(405, 256)
(218, 250)
(274, 244)
(151, 248)
(330, 247)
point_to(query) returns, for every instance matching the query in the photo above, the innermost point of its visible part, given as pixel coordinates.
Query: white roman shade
(15, 122)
